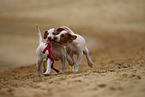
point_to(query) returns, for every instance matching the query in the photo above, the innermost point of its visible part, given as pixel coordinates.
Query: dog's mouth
(55, 41)
(52, 41)
(49, 39)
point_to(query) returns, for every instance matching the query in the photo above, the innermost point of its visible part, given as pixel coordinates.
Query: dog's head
(64, 37)
(49, 34)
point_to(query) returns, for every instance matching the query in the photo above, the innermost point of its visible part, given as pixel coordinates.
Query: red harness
(50, 55)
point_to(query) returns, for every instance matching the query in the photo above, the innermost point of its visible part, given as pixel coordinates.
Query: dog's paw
(40, 75)
(71, 63)
(90, 64)
(46, 74)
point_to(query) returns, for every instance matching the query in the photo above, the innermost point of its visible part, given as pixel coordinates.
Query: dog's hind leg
(38, 64)
(44, 65)
(86, 53)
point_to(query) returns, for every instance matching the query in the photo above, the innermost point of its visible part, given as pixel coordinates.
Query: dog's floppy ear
(45, 34)
(59, 29)
(72, 37)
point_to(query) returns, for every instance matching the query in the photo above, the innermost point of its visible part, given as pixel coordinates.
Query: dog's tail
(65, 27)
(39, 33)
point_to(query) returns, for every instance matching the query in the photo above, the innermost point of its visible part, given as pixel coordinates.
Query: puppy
(58, 50)
(42, 58)
(75, 45)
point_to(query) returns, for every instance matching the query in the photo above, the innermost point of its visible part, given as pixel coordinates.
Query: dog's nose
(49, 38)
(55, 38)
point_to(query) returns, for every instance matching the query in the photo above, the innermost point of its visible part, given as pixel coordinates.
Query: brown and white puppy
(75, 45)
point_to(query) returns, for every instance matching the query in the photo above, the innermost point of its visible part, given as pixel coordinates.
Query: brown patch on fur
(45, 34)
(65, 38)
(57, 31)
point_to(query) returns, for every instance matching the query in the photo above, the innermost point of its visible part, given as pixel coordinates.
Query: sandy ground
(122, 80)
(115, 35)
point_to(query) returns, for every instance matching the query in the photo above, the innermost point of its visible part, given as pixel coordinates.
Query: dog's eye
(53, 33)
(57, 33)
(47, 33)
(62, 35)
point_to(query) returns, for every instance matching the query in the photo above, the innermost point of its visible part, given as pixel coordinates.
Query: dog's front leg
(79, 58)
(48, 70)
(70, 59)
(63, 64)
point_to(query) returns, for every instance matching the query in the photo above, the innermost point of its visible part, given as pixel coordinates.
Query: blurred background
(110, 27)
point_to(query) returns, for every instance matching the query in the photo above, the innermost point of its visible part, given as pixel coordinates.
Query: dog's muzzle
(55, 38)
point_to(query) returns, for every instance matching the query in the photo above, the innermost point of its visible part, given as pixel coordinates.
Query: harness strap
(48, 48)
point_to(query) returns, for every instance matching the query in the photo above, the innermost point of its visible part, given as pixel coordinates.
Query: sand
(114, 33)
(122, 80)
